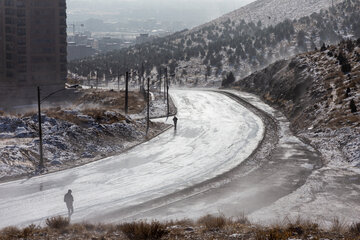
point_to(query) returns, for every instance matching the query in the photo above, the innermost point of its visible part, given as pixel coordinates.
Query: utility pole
(142, 77)
(160, 80)
(165, 82)
(107, 75)
(41, 163)
(167, 93)
(127, 93)
(118, 79)
(148, 106)
(97, 78)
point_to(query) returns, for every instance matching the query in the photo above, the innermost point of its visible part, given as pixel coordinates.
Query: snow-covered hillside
(319, 93)
(93, 127)
(271, 12)
(205, 55)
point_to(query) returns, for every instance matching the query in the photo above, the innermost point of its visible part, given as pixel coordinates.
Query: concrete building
(33, 48)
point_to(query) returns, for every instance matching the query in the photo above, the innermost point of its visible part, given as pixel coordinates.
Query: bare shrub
(275, 233)
(212, 222)
(338, 225)
(242, 219)
(143, 230)
(183, 222)
(58, 222)
(10, 233)
(29, 231)
(355, 228)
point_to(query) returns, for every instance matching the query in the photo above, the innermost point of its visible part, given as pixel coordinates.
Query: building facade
(33, 48)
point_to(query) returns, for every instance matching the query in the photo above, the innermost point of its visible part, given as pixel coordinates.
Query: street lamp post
(127, 93)
(41, 162)
(165, 82)
(148, 106)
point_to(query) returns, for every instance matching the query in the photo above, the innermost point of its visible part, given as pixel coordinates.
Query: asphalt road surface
(215, 135)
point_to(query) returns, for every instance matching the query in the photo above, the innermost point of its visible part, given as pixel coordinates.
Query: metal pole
(142, 76)
(167, 94)
(165, 84)
(97, 78)
(118, 78)
(127, 93)
(160, 81)
(41, 163)
(148, 106)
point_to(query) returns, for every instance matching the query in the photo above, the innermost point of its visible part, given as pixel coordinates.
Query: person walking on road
(69, 200)
(175, 121)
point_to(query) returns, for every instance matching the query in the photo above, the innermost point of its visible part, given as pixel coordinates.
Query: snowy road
(215, 134)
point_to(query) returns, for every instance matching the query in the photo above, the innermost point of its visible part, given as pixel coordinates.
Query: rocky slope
(91, 128)
(319, 92)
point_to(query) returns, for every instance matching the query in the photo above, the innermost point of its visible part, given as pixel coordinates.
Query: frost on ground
(316, 94)
(315, 91)
(91, 129)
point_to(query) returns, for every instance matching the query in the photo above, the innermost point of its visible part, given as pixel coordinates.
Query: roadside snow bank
(70, 138)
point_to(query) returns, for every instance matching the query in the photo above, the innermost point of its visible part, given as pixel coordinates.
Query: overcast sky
(195, 11)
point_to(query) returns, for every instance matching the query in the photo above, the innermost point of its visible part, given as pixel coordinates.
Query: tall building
(32, 48)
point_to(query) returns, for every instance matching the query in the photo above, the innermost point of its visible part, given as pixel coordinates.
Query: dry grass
(143, 230)
(15, 233)
(207, 227)
(112, 100)
(57, 222)
(355, 228)
(211, 222)
(99, 115)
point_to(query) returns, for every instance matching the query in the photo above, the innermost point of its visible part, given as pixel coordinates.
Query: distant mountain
(204, 55)
(272, 12)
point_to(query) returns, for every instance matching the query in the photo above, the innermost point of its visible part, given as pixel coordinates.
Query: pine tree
(353, 106)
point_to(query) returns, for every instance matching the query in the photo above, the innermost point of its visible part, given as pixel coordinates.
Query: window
(9, 20)
(20, 3)
(9, 3)
(22, 50)
(9, 11)
(9, 65)
(21, 41)
(8, 30)
(9, 38)
(21, 59)
(21, 12)
(21, 31)
(21, 22)
(9, 74)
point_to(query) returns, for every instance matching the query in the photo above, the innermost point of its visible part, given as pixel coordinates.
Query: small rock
(55, 162)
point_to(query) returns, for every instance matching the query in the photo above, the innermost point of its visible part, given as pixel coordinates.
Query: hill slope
(272, 12)
(319, 92)
(206, 54)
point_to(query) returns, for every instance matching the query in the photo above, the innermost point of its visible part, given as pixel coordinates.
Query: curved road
(215, 135)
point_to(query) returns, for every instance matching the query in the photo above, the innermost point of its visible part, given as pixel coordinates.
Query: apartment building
(33, 48)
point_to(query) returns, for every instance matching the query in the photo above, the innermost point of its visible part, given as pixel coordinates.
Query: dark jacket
(68, 198)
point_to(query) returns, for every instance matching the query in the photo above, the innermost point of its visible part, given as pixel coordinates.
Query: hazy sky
(190, 11)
